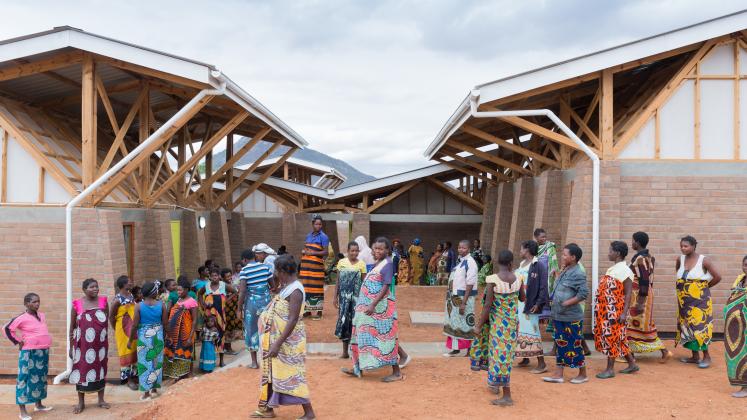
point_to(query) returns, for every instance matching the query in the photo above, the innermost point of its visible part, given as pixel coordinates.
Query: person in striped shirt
(254, 295)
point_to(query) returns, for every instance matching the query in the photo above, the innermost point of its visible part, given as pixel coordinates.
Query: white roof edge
(65, 36)
(327, 170)
(590, 63)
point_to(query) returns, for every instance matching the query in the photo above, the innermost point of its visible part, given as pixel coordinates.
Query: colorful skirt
(610, 336)
(503, 327)
(150, 356)
(127, 356)
(529, 338)
(735, 336)
(215, 305)
(695, 314)
(458, 328)
(234, 321)
(179, 344)
(312, 273)
(207, 356)
(373, 341)
(90, 351)
(349, 287)
(256, 302)
(31, 386)
(642, 334)
(568, 338)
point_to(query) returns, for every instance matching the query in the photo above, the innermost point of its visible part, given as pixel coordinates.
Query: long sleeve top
(571, 283)
(33, 331)
(537, 293)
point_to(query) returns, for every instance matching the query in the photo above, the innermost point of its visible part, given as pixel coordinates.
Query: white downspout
(475, 95)
(90, 189)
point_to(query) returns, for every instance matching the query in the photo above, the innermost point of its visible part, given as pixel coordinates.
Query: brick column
(361, 226)
(488, 217)
(502, 221)
(237, 235)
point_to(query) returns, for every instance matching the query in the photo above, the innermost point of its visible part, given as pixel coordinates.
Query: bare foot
(345, 356)
(494, 389)
(694, 360)
(79, 408)
(104, 404)
(524, 363)
(254, 365)
(503, 402)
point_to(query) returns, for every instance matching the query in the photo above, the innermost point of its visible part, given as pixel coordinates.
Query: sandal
(553, 380)
(704, 364)
(630, 369)
(689, 360)
(24, 417)
(47, 408)
(392, 378)
(605, 375)
(537, 371)
(262, 414)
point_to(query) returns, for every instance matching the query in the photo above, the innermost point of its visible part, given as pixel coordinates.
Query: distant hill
(354, 176)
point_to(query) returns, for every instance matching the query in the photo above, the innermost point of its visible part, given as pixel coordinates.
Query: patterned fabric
(642, 334)
(256, 301)
(479, 356)
(417, 261)
(90, 347)
(568, 337)
(208, 352)
(548, 254)
(150, 356)
(610, 336)
(284, 375)
(31, 385)
(695, 307)
(735, 333)
(485, 271)
(503, 327)
(442, 270)
(234, 322)
(457, 326)
(179, 342)
(214, 304)
(349, 287)
(403, 272)
(123, 325)
(529, 338)
(373, 341)
(311, 273)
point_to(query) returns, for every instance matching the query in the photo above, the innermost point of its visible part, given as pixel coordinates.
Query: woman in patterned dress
(89, 344)
(612, 305)
(121, 315)
(312, 270)
(735, 333)
(503, 292)
(696, 274)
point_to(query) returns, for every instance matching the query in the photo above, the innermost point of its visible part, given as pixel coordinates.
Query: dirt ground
(415, 298)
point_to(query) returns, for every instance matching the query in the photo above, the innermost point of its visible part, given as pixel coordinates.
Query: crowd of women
(266, 296)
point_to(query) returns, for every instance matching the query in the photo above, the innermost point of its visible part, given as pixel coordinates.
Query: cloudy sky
(368, 82)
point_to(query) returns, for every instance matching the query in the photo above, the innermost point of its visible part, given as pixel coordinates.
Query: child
(33, 360)
(179, 345)
(284, 334)
(137, 293)
(485, 270)
(503, 292)
(165, 293)
(210, 338)
(567, 317)
(150, 315)
(350, 275)
(233, 321)
(121, 315)
(735, 331)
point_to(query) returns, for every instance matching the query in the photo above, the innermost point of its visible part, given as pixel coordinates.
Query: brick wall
(237, 235)
(269, 230)
(361, 226)
(488, 217)
(191, 258)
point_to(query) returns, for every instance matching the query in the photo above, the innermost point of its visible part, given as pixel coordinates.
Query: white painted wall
(257, 202)
(23, 178)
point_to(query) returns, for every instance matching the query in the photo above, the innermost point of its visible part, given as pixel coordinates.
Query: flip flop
(577, 381)
(406, 362)
(258, 414)
(392, 378)
(502, 403)
(704, 365)
(47, 408)
(630, 370)
(537, 371)
(689, 360)
(603, 375)
(553, 380)
(350, 372)
(26, 417)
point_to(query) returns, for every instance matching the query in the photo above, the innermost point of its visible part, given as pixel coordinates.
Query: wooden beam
(661, 97)
(40, 186)
(480, 167)
(582, 124)
(52, 63)
(4, 168)
(88, 121)
(232, 204)
(490, 157)
(289, 202)
(118, 143)
(206, 147)
(228, 165)
(226, 195)
(539, 130)
(101, 89)
(391, 196)
(466, 171)
(606, 120)
(143, 134)
(510, 146)
(657, 135)
(145, 154)
(459, 195)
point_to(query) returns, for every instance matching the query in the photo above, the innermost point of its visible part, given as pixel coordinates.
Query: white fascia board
(32, 46)
(614, 56)
(456, 120)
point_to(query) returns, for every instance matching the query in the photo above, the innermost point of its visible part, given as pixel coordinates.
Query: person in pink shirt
(29, 332)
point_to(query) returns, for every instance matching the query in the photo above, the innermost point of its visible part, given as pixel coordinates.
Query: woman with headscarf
(312, 270)
(416, 261)
(365, 254)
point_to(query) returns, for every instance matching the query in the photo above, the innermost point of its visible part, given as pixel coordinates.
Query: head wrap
(264, 248)
(416, 241)
(365, 253)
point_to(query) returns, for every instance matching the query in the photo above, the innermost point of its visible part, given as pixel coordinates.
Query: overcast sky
(369, 82)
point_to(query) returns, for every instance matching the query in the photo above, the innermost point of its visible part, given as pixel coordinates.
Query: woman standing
(180, 336)
(696, 274)
(89, 344)
(735, 333)
(254, 295)
(213, 298)
(642, 334)
(612, 305)
(348, 286)
(312, 267)
(373, 342)
(442, 267)
(433, 265)
(503, 292)
(234, 323)
(283, 340)
(147, 330)
(121, 316)
(416, 261)
(402, 263)
(33, 360)
(533, 276)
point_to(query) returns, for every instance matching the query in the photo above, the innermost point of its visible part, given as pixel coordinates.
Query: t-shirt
(465, 273)
(199, 284)
(220, 291)
(318, 238)
(345, 264)
(255, 274)
(33, 331)
(387, 271)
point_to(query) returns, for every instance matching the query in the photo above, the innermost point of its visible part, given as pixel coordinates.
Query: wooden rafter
(459, 195)
(228, 165)
(606, 118)
(466, 171)
(391, 196)
(512, 147)
(231, 204)
(661, 97)
(539, 130)
(291, 204)
(477, 165)
(4, 168)
(225, 196)
(124, 65)
(88, 121)
(48, 64)
(490, 157)
(582, 124)
(206, 147)
(118, 143)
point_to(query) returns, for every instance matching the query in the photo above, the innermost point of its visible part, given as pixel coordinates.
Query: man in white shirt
(460, 307)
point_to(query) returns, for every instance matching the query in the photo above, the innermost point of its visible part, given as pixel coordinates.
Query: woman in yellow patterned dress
(283, 346)
(696, 274)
